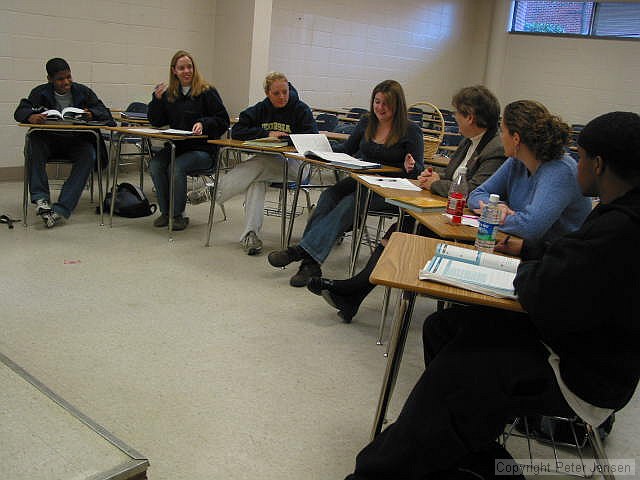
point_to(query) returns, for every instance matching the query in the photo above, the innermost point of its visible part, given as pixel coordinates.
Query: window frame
(590, 35)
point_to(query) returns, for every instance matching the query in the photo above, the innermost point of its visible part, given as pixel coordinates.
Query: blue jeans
(333, 216)
(187, 162)
(79, 150)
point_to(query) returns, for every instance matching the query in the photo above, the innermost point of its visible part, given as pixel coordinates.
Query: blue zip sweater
(548, 204)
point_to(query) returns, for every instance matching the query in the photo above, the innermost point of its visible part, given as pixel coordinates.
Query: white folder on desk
(316, 145)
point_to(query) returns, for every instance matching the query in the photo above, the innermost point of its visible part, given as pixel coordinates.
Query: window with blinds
(589, 19)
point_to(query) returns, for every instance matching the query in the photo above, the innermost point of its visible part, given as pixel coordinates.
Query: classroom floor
(205, 360)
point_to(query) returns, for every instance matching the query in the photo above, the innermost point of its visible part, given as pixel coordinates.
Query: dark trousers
(78, 149)
(484, 366)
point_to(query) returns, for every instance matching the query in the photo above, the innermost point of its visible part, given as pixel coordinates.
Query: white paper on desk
(146, 130)
(316, 145)
(388, 182)
(315, 142)
(466, 220)
(174, 131)
(168, 131)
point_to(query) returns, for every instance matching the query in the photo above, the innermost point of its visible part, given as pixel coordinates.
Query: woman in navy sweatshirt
(280, 114)
(187, 103)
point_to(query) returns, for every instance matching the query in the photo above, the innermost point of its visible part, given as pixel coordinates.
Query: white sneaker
(42, 206)
(251, 243)
(52, 219)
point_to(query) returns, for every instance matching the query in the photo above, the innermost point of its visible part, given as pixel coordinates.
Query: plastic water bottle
(489, 220)
(457, 197)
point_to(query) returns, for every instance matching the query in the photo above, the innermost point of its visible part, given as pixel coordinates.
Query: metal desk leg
(397, 341)
(358, 231)
(114, 186)
(294, 205)
(214, 194)
(27, 174)
(283, 222)
(171, 192)
(383, 319)
(99, 175)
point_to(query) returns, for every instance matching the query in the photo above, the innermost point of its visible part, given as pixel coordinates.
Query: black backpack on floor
(130, 202)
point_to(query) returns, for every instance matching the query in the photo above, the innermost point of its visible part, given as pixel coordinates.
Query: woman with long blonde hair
(188, 102)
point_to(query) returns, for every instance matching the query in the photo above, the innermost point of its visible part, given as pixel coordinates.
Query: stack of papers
(390, 182)
(317, 146)
(168, 131)
(272, 142)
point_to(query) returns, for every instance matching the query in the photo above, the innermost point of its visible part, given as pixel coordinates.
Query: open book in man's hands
(481, 272)
(317, 146)
(73, 114)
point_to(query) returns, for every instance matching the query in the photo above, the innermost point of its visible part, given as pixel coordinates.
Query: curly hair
(479, 101)
(271, 78)
(615, 137)
(545, 134)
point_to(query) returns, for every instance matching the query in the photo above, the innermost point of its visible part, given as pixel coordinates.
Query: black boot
(347, 295)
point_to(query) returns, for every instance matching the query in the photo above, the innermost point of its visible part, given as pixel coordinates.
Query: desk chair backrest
(137, 107)
(326, 122)
(356, 112)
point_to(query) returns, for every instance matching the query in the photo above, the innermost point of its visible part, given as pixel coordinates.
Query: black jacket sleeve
(28, 106)
(157, 112)
(351, 145)
(98, 109)
(305, 123)
(248, 126)
(215, 121)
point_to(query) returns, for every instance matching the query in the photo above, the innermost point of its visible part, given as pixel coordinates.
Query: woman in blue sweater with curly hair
(537, 183)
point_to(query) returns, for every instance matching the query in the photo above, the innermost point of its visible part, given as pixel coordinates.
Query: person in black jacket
(575, 350)
(59, 93)
(280, 114)
(187, 103)
(383, 136)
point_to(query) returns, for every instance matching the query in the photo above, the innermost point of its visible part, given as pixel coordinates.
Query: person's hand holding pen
(159, 90)
(510, 246)
(409, 163)
(427, 177)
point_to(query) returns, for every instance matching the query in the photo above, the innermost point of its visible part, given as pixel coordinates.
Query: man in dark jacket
(79, 148)
(576, 350)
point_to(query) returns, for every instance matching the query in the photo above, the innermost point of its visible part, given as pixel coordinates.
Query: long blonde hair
(198, 84)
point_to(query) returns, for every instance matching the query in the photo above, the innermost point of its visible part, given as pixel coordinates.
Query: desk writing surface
(231, 143)
(161, 136)
(439, 224)
(320, 163)
(405, 255)
(335, 135)
(64, 126)
(134, 121)
(394, 192)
